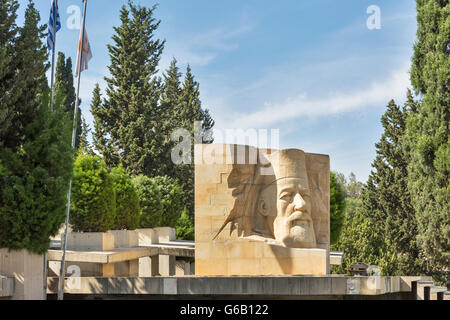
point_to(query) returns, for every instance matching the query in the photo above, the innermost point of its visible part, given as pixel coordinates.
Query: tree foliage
(337, 208)
(64, 88)
(185, 101)
(357, 240)
(129, 115)
(380, 228)
(134, 122)
(185, 227)
(428, 135)
(160, 199)
(11, 86)
(93, 206)
(35, 154)
(127, 201)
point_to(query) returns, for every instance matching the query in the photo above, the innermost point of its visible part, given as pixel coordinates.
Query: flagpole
(53, 55)
(74, 133)
(51, 110)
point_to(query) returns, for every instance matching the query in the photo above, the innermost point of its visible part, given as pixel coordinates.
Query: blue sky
(309, 68)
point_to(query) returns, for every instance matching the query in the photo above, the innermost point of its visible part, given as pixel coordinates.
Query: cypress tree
(83, 137)
(380, 226)
(387, 198)
(428, 135)
(23, 76)
(35, 169)
(131, 108)
(10, 85)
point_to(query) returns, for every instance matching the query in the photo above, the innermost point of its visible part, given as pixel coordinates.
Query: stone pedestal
(148, 266)
(165, 234)
(87, 241)
(27, 269)
(90, 241)
(182, 268)
(126, 239)
(166, 263)
(254, 258)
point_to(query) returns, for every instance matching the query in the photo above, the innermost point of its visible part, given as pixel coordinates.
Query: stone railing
(142, 253)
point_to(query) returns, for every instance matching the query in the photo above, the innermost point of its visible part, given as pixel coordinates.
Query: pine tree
(131, 110)
(428, 135)
(35, 169)
(100, 140)
(386, 201)
(190, 111)
(170, 114)
(65, 90)
(83, 137)
(380, 226)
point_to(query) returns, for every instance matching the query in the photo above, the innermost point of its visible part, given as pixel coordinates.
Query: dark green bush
(93, 207)
(34, 179)
(185, 227)
(160, 201)
(127, 201)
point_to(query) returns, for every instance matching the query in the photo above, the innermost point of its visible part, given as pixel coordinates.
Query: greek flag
(53, 26)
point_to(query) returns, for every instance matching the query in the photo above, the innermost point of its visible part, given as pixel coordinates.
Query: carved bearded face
(286, 203)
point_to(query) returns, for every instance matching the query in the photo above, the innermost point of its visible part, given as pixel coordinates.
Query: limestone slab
(90, 241)
(27, 270)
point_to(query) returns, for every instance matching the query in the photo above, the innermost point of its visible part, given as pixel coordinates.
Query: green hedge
(127, 201)
(185, 227)
(160, 199)
(93, 207)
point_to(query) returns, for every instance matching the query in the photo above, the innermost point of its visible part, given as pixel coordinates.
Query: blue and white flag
(53, 26)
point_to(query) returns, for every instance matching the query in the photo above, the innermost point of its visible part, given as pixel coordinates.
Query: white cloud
(202, 48)
(87, 85)
(376, 94)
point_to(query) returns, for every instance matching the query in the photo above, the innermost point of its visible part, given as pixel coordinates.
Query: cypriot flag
(86, 56)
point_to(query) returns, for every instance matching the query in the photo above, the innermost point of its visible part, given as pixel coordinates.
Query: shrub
(160, 201)
(93, 207)
(185, 227)
(337, 208)
(127, 201)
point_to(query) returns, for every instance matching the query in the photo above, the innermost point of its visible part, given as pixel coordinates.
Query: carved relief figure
(276, 201)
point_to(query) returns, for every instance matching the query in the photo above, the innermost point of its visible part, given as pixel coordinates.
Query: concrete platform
(176, 248)
(117, 255)
(280, 287)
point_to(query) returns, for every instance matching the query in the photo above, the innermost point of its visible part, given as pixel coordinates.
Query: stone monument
(261, 211)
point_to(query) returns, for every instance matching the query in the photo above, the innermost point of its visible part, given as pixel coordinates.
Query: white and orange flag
(85, 57)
